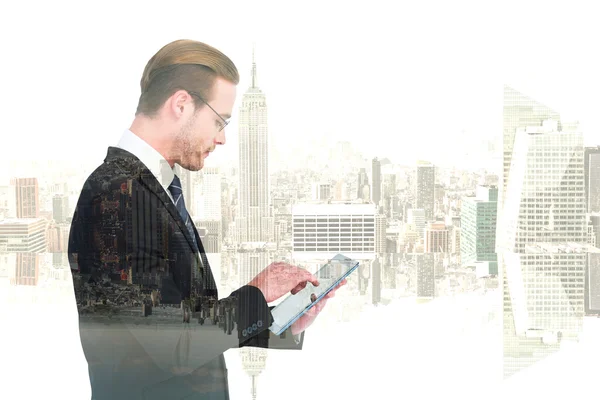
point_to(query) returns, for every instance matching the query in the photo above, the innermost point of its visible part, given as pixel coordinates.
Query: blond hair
(183, 64)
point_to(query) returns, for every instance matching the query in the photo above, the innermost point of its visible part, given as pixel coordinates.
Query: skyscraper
(478, 226)
(591, 163)
(376, 280)
(27, 197)
(542, 234)
(60, 208)
(380, 234)
(254, 220)
(321, 191)
(254, 360)
(376, 179)
(207, 195)
(251, 262)
(363, 181)
(425, 268)
(437, 238)
(425, 189)
(520, 111)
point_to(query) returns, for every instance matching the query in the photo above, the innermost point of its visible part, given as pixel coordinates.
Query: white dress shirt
(152, 159)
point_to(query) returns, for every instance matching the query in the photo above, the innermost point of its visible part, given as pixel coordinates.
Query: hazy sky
(397, 79)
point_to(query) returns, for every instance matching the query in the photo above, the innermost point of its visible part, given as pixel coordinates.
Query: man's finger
(307, 276)
(299, 287)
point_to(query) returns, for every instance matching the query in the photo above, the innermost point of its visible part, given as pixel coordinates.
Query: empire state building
(254, 221)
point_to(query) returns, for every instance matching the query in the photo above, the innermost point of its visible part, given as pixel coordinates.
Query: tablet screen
(329, 275)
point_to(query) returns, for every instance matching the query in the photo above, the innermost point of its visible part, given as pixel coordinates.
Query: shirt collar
(151, 158)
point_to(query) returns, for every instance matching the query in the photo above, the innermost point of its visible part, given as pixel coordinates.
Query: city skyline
(476, 137)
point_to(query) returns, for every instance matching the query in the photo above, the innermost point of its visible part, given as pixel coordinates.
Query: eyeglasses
(222, 124)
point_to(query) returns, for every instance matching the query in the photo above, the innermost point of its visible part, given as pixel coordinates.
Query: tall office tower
(425, 188)
(254, 215)
(380, 234)
(592, 282)
(416, 217)
(520, 111)
(211, 234)
(591, 163)
(542, 234)
(226, 207)
(207, 195)
(478, 226)
(27, 197)
(592, 277)
(425, 268)
(455, 234)
(27, 269)
(376, 280)
(60, 208)
(594, 222)
(437, 238)
(320, 231)
(254, 361)
(389, 196)
(251, 262)
(280, 231)
(376, 180)
(363, 181)
(57, 237)
(26, 235)
(321, 191)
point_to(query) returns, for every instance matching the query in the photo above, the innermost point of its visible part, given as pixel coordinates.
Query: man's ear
(178, 101)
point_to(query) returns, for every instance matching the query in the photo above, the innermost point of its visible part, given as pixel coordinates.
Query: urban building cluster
(529, 230)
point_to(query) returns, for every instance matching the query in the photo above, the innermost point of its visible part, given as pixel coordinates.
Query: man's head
(188, 92)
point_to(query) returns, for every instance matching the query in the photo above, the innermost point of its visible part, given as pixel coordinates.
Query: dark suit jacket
(127, 240)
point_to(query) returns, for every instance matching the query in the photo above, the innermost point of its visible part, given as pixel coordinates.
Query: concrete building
(27, 235)
(323, 230)
(437, 238)
(478, 226)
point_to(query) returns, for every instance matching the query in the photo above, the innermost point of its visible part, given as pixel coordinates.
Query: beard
(190, 153)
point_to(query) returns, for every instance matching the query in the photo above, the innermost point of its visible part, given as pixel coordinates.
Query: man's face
(199, 134)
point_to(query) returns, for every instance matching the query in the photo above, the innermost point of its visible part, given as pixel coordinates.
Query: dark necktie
(177, 193)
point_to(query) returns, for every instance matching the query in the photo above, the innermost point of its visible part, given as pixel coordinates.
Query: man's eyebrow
(225, 116)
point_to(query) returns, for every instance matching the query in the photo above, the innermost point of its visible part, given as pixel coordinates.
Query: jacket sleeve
(255, 319)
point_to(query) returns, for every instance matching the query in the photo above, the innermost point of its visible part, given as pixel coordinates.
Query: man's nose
(220, 139)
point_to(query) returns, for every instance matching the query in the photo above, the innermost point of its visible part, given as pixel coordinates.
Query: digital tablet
(294, 306)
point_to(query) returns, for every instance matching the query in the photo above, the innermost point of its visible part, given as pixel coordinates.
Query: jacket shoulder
(110, 175)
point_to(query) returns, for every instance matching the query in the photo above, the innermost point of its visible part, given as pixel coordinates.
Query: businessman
(143, 284)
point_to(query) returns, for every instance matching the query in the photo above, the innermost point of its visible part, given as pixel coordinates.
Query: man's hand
(280, 278)
(309, 317)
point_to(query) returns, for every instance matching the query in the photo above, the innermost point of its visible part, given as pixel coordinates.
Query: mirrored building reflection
(542, 236)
